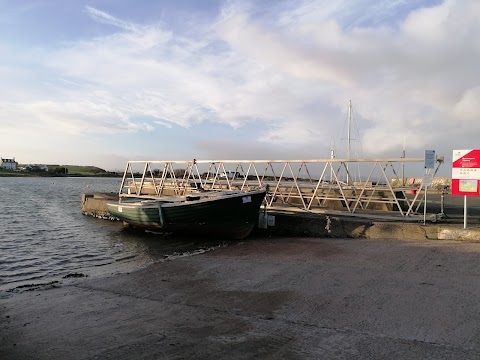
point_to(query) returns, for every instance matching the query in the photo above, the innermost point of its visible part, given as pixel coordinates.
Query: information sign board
(429, 159)
(466, 172)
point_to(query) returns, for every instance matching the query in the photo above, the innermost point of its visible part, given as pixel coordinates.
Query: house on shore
(8, 164)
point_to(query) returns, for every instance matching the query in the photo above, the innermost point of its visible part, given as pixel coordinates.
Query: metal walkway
(308, 185)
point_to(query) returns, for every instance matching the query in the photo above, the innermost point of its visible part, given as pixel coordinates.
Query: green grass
(84, 170)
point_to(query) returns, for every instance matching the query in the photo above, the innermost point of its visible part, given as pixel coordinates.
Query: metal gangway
(307, 185)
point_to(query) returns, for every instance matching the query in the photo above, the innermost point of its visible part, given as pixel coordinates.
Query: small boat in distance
(230, 214)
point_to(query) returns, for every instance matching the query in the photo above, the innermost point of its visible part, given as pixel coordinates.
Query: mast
(349, 138)
(403, 164)
(349, 130)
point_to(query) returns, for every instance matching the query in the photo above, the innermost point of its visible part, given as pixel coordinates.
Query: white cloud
(106, 18)
(291, 69)
(468, 107)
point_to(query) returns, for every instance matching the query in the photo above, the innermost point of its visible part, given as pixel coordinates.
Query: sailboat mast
(349, 137)
(403, 163)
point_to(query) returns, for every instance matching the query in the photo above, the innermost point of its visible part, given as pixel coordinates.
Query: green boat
(231, 214)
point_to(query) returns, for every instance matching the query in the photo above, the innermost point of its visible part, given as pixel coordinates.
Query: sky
(101, 82)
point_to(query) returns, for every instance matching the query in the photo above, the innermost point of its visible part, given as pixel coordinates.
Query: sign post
(428, 178)
(426, 181)
(466, 176)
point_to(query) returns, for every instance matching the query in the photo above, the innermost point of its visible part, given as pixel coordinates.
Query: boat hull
(232, 216)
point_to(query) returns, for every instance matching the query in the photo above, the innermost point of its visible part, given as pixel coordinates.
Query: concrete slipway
(273, 298)
(394, 295)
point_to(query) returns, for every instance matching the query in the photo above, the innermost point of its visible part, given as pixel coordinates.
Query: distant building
(8, 164)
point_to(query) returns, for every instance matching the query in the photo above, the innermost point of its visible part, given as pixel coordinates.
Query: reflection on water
(45, 238)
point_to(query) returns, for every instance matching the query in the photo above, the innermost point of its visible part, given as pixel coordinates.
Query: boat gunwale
(153, 203)
(213, 198)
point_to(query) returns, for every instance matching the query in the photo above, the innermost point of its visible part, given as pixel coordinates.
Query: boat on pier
(230, 214)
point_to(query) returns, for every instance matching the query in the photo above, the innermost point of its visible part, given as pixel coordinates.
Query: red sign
(466, 172)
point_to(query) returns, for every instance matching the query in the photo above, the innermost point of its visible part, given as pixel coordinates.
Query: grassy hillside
(78, 170)
(84, 170)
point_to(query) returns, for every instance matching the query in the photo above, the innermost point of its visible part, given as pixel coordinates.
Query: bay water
(45, 239)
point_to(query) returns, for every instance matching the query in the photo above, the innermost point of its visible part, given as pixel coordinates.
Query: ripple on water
(45, 237)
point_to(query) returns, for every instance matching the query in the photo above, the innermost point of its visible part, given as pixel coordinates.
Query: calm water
(44, 237)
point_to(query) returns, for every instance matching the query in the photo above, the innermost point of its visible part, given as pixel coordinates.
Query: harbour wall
(291, 221)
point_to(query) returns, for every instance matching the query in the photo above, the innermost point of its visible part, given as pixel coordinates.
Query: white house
(8, 164)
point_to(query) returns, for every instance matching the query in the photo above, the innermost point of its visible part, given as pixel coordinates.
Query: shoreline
(58, 176)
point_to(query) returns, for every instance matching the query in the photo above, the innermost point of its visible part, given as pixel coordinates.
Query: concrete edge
(342, 227)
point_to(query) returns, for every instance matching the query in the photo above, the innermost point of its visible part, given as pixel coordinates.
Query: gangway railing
(305, 184)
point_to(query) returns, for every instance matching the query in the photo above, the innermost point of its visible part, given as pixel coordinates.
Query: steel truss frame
(301, 183)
